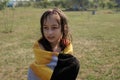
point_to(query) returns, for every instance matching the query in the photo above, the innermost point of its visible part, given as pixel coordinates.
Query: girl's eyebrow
(44, 25)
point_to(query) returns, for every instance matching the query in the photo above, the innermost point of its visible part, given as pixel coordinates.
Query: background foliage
(68, 4)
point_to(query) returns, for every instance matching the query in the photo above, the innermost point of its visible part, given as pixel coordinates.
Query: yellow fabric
(42, 58)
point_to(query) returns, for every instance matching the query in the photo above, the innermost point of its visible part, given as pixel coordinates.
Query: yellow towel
(42, 58)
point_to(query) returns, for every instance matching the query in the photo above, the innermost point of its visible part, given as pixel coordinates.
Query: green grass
(96, 41)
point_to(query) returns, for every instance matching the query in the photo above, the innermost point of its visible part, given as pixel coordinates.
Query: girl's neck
(56, 47)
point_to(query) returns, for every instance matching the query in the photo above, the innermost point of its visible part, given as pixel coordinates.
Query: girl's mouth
(50, 37)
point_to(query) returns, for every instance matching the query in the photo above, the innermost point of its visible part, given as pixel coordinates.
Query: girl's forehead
(55, 17)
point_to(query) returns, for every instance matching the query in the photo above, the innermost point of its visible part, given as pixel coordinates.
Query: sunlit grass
(96, 41)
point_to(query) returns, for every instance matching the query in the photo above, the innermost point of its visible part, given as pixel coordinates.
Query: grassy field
(96, 41)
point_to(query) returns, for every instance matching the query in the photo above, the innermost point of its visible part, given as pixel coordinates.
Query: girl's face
(52, 29)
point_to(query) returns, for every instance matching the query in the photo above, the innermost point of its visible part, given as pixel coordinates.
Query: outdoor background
(95, 29)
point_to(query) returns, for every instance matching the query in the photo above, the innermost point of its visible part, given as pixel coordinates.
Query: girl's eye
(55, 27)
(45, 27)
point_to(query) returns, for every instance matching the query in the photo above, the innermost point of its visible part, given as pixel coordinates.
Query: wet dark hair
(66, 38)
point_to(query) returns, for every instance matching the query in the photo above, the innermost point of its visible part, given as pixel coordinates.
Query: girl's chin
(51, 41)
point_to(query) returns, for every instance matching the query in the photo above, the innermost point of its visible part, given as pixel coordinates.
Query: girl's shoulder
(41, 46)
(38, 45)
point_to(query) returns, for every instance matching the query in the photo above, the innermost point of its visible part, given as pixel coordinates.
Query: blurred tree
(3, 4)
(117, 4)
(79, 4)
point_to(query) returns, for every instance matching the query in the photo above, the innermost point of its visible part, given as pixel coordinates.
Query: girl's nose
(50, 31)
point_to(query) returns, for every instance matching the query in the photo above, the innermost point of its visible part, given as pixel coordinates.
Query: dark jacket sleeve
(67, 68)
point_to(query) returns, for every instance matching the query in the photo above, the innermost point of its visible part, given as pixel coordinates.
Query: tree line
(67, 4)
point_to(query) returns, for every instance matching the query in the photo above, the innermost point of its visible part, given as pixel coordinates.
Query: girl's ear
(65, 27)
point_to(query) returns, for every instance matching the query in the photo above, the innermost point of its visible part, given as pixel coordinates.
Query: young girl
(54, 58)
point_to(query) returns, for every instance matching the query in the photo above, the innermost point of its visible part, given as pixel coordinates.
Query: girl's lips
(50, 37)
